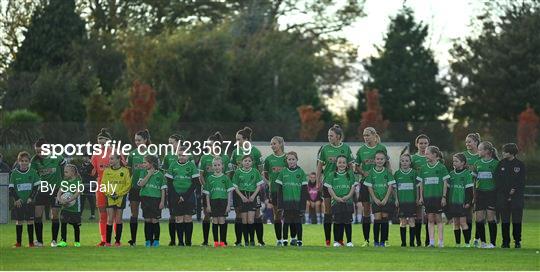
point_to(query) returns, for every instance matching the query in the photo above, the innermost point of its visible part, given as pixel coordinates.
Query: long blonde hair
(372, 131)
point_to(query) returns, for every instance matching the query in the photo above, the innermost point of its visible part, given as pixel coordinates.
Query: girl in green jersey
(406, 199)
(485, 194)
(461, 185)
(471, 153)
(273, 164)
(418, 160)
(71, 206)
(153, 191)
(169, 159)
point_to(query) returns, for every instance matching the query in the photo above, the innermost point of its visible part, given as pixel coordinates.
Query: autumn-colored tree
(372, 117)
(142, 101)
(311, 123)
(527, 131)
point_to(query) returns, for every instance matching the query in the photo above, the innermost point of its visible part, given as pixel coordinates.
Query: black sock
(118, 234)
(481, 229)
(427, 235)
(336, 232)
(157, 231)
(251, 228)
(172, 231)
(457, 236)
(516, 232)
(260, 232)
(223, 233)
(385, 227)
(108, 235)
(292, 226)
(467, 235)
(63, 232)
(299, 231)
(30, 231)
(18, 230)
(341, 232)
(215, 232)
(188, 227)
(238, 230)
(418, 231)
(245, 231)
(366, 226)
(476, 232)
(403, 235)
(278, 229)
(328, 228)
(505, 232)
(133, 224)
(376, 230)
(348, 232)
(206, 231)
(492, 232)
(412, 235)
(180, 232)
(55, 226)
(285, 231)
(39, 230)
(77, 232)
(147, 231)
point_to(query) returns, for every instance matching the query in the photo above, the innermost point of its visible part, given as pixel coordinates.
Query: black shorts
(134, 194)
(433, 205)
(70, 217)
(219, 207)
(114, 205)
(364, 193)
(292, 216)
(342, 212)
(274, 199)
(485, 200)
(44, 199)
(186, 207)
(456, 210)
(150, 207)
(389, 208)
(248, 206)
(24, 213)
(407, 210)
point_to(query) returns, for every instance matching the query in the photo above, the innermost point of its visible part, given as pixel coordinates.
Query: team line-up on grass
(479, 186)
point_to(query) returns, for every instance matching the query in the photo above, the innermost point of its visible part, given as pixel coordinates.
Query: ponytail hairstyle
(461, 157)
(105, 133)
(435, 150)
(386, 158)
(420, 137)
(511, 148)
(153, 160)
(337, 130)
(246, 133)
(475, 137)
(145, 134)
(216, 137)
(281, 142)
(372, 131)
(491, 148)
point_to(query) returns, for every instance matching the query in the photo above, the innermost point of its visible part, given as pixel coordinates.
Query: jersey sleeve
(229, 184)
(226, 165)
(369, 180)
(235, 181)
(303, 178)
(469, 181)
(279, 179)
(445, 175)
(169, 174)
(163, 182)
(322, 155)
(206, 188)
(266, 166)
(259, 178)
(35, 177)
(328, 183)
(391, 179)
(358, 159)
(195, 172)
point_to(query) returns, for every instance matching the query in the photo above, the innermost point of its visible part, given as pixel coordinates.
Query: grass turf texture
(313, 256)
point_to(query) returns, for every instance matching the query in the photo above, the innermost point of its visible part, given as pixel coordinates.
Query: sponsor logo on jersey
(517, 169)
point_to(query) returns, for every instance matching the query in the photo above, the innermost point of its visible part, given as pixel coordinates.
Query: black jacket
(510, 174)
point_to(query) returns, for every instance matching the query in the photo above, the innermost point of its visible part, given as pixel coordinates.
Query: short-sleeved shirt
(341, 183)
(406, 185)
(365, 155)
(247, 180)
(23, 182)
(484, 172)
(170, 158)
(205, 165)
(328, 156)
(239, 153)
(135, 162)
(291, 182)
(380, 181)
(471, 158)
(418, 161)
(72, 187)
(458, 183)
(154, 185)
(182, 175)
(49, 169)
(432, 178)
(218, 187)
(273, 165)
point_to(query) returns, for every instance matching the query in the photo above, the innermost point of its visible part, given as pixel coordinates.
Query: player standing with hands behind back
(153, 190)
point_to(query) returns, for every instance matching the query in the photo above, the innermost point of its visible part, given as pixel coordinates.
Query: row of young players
(335, 169)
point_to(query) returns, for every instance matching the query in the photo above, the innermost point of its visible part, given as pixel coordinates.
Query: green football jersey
(365, 155)
(49, 169)
(71, 186)
(23, 182)
(218, 187)
(484, 174)
(205, 165)
(380, 181)
(247, 180)
(237, 154)
(273, 165)
(341, 183)
(432, 178)
(406, 185)
(458, 183)
(135, 162)
(181, 174)
(291, 182)
(154, 185)
(328, 155)
(418, 161)
(471, 158)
